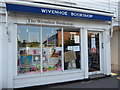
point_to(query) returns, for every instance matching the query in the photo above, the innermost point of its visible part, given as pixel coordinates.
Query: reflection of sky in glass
(48, 31)
(28, 33)
(32, 33)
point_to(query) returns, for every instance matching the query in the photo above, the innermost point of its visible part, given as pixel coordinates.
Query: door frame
(101, 50)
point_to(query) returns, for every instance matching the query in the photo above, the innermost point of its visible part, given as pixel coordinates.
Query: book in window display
(51, 60)
(29, 64)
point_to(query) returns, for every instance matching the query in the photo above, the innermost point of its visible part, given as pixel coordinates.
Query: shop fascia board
(57, 7)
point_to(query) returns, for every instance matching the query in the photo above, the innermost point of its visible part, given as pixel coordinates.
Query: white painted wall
(3, 46)
(1, 41)
(0, 51)
(0, 54)
(4, 57)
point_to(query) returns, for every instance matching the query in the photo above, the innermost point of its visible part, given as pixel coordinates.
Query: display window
(72, 47)
(51, 49)
(47, 49)
(28, 49)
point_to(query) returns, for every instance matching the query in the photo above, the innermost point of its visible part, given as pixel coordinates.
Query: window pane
(93, 52)
(51, 49)
(28, 49)
(71, 48)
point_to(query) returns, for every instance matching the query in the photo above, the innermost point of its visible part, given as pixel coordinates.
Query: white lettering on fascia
(81, 15)
(43, 10)
(54, 12)
(57, 12)
(49, 11)
(91, 16)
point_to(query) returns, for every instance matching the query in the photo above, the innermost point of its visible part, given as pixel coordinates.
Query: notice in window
(70, 47)
(76, 48)
(77, 39)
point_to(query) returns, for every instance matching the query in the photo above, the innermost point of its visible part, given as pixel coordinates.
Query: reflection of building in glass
(56, 39)
(68, 35)
(51, 40)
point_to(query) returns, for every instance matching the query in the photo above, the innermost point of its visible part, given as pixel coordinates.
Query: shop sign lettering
(49, 11)
(51, 22)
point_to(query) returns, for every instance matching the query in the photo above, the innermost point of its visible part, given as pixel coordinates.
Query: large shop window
(40, 49)
(28, 49)
(72, 48)
(51, 49)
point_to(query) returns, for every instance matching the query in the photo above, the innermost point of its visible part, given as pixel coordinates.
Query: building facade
(45, 43)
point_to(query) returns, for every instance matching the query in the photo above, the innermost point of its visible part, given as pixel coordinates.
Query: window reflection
(71, 49)
(93, 52)
(51, 47)
(31, 45)
(28, 49)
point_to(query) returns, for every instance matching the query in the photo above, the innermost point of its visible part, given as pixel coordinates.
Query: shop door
(95, 47)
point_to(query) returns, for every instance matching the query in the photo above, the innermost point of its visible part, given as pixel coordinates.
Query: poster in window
(77, 39)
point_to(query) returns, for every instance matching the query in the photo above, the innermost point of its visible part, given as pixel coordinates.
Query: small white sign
(59, 48)
(77, 39)
(70, 47)
(76, 48)
(93, 45)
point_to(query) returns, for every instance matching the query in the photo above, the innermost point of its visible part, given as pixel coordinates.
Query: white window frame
(16, 76)
(101, 55)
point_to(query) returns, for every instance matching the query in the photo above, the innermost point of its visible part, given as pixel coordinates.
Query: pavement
(107, 82)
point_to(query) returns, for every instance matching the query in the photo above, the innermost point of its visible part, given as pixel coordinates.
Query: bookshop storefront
(53, 45)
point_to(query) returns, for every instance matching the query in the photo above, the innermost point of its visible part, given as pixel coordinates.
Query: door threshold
(96, 76)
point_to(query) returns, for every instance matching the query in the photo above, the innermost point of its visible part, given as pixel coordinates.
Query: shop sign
(48, 11)
(50, 22)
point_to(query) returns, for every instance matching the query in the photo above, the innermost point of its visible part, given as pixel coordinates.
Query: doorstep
(98, 76)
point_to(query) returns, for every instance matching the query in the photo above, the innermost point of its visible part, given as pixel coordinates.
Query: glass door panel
(93, 51)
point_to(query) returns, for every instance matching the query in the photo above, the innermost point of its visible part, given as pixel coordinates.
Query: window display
(29, 55)
(28, 49)
(51, 49)
(40, 54)
(72, 49)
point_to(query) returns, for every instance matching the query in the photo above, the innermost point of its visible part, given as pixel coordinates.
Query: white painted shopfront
(41, 45)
